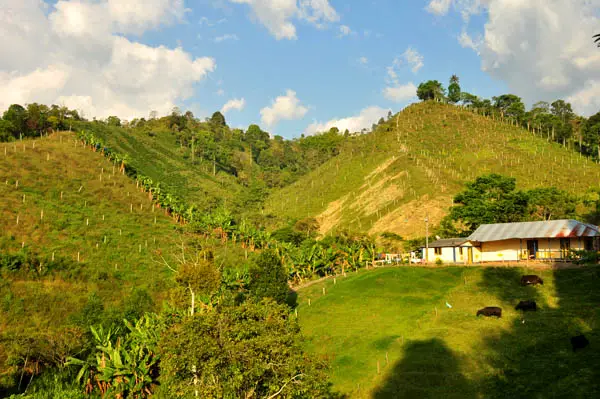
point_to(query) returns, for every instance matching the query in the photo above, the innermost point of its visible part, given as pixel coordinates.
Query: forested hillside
(414, 164)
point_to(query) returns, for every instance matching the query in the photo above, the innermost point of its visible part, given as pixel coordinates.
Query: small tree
(454, 90)
(268, 278)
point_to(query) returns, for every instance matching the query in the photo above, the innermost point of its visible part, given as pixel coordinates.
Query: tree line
(556, 121)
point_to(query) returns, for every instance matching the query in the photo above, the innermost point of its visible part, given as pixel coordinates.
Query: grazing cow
(490, 311)
(526, 305)
(579, 342)
(531, 279)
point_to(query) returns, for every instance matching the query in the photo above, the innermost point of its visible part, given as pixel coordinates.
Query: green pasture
(389, 333)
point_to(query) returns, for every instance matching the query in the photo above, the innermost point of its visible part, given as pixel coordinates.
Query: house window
(588, 244)
(437, 251)
(460, 251)
(565, 244)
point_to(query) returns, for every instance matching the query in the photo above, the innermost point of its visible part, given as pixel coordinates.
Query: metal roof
(525, 230)
(448, 242)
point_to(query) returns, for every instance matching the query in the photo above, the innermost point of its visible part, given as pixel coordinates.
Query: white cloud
(466, 41)
(363, 60)
(72, 54)
(235, 103)
(364, 120)
(286, 107)
(542, 49)
(226, 37)
(209, 23)
(400, 93)
(414, 59)
(438, 7)
(277, 15)
(345, 30)
(220, 92)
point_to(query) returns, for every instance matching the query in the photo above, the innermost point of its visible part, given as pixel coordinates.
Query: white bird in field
(447, 304)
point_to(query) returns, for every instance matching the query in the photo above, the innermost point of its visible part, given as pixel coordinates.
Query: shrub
(268, 279)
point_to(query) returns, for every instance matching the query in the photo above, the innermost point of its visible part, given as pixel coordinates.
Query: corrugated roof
(448, 242)
(525, 230)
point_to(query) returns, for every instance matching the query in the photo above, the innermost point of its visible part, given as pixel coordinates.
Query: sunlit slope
(162, 159)
(63, 199)
(414, 164)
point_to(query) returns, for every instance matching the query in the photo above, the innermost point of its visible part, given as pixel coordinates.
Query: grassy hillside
(397, 320)
(414, 164)
(161, 158)
(71, 226)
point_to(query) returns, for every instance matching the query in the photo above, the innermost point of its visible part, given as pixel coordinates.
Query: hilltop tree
(591, 132)
(454, 90)
(431, 90)
(510, 106)
(218, 120)
(16, 115)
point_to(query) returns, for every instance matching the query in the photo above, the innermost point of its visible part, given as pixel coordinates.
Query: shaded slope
(414, 164)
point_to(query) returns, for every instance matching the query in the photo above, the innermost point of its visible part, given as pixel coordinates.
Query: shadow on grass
(428, 369)
(505, 284)
(534, 358)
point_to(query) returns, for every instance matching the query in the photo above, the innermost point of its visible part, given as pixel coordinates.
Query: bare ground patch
(408, 219)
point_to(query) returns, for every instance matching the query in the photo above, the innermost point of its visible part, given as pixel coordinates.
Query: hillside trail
(530, 265)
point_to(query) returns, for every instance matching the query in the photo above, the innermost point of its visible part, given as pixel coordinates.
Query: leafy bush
(268, 279)
(585, 257)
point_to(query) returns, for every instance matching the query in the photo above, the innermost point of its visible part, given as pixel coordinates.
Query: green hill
(413, 165)
(162, 158)
(76, 235)
(389, 333)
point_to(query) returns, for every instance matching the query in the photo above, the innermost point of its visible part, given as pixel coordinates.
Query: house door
(532, 248)
(469, 256)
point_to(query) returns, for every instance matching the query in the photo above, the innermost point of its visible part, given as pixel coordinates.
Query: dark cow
(490, 311)
(579, 342)
(526, 305)
(531, 279)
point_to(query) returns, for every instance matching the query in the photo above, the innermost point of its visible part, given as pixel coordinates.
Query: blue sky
(292, 66)
(323, 67)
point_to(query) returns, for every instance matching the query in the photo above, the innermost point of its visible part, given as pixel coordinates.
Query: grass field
(414, 164)
(396, 320)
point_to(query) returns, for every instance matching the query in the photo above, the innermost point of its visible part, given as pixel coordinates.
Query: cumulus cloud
(438, 7)
(226, 37)
(286, 107)
(364, 120)
(400, 93)
(363, 60)
(277, 15)
(542, 49)
(72, 54)
(237, 104)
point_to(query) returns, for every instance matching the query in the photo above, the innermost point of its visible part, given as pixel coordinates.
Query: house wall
(446, 256)
(513, 250)
(499, 251)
